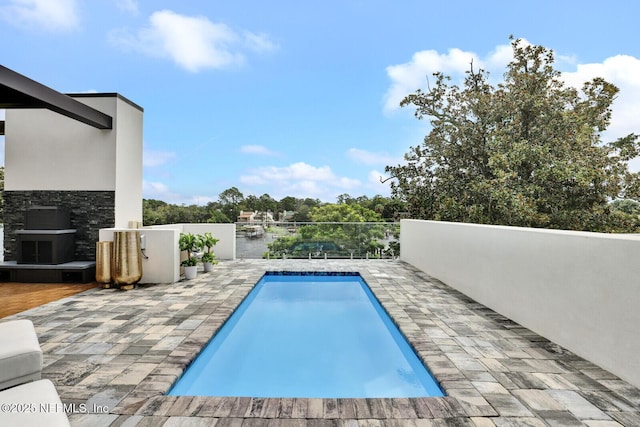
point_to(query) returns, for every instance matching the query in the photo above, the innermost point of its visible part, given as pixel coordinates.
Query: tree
(287, 204)
(354, 237)
(341, 231)
(230, 200)
(526, 152)
(152, 212)
(266, 203)
(231, 196)
(216, 216)
(302, 214)
(344, 198)
(250, 203)
(388, 208)
(344, 212)
(630, 207)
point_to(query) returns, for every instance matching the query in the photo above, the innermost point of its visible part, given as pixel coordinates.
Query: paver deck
(113, 355)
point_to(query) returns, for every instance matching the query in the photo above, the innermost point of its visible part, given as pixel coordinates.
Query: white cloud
(372, 158)
(129, 6)
(624, 72)
(621, 70)
(160, 191)
(259, 42)
(151, 158)
(51, 15)
(301, 180)
(193, 42)
(257, 149)
(408, 77)
(156, 190)
(296, 171)
(499, 58)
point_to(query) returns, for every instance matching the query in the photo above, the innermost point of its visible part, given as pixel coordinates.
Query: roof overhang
(18, 91)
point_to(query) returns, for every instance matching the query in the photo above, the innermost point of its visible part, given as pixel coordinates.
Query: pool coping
(387, 322)
(126, 349)
(323, 408)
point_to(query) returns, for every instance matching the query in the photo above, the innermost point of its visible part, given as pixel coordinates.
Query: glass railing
(317, 240)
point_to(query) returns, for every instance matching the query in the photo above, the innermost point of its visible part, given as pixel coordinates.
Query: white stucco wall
(128, 164)
(580, 290)
(45, 150)
(226, 233)
(163, 262)
(125, 169)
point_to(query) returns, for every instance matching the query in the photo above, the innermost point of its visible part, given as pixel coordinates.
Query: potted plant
(190, 243)
(208, 257)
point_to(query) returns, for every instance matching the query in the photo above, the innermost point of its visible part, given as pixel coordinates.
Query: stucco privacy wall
(580, 290)
(225, 233)
(163, 262)
(54, 160)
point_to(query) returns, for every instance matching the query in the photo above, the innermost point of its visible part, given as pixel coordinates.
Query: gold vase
(103, 263)
(126, 265)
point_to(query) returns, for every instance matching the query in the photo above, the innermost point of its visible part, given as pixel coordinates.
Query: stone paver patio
(113, 355)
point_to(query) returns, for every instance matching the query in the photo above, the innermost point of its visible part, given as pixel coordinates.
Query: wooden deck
(18, 297)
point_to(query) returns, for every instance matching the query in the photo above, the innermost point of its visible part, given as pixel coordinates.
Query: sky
(299, 98)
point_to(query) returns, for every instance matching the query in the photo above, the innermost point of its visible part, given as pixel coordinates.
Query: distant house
(255, 217)
(247, 217)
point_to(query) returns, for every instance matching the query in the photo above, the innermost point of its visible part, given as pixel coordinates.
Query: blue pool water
(308, 336)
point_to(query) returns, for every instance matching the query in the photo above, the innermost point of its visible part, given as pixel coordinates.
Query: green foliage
(526, 152)
(232, 201)
(627, 206)
(191, 244)
(390, 209)
(207, 242)
(209, 257)
(229, 202)
(156, 212)
(356, 236)
(280, 246)
(343, 213)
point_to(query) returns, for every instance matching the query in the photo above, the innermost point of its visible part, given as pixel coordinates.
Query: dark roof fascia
(18, 91)
(106, 95)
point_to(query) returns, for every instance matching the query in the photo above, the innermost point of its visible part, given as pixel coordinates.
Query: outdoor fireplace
(45, 250)
(47, 238)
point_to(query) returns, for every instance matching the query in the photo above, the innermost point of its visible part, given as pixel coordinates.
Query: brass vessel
(126, 263)
(103, 263)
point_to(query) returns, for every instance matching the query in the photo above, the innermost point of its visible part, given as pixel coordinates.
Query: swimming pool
(308, 335)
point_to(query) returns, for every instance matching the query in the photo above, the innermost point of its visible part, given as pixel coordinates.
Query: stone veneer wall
(89, 210)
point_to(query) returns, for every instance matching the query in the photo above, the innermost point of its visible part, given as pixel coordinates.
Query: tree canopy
(524, 152)
(231, 201)
(359, 233)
